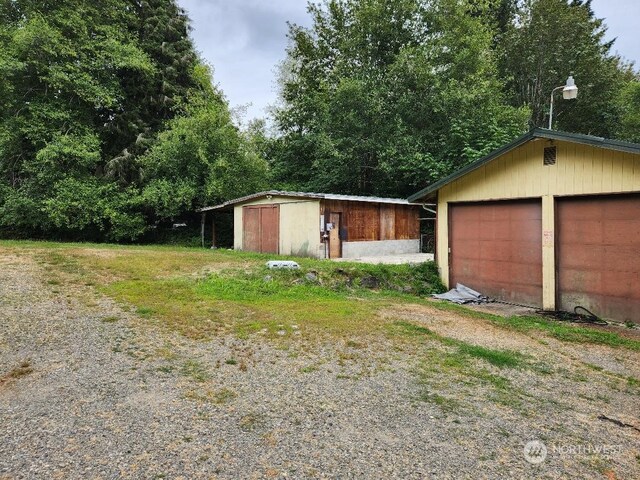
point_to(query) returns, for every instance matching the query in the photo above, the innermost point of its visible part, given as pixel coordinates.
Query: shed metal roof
(308, 195)
(531, 135)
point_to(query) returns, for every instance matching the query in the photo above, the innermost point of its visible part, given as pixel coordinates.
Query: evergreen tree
(549, 40)
(381, 96)
(89, 91)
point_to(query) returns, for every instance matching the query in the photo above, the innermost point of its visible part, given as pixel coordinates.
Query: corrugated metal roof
(309, 195)
(532, 134)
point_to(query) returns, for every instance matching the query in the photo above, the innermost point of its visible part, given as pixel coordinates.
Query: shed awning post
(202, 222)
(213, 231)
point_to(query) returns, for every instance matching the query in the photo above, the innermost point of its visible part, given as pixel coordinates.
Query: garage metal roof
(308, 195)
(531, 135)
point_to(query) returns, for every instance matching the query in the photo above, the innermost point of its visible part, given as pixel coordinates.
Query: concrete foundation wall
(383, 247)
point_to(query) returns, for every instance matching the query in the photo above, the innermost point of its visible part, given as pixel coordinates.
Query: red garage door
(496, 248)
(598, 255)
(261, 227)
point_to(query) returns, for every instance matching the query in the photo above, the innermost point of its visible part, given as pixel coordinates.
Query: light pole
(569, 92)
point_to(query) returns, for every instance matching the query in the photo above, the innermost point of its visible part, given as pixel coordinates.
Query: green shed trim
(532, 134)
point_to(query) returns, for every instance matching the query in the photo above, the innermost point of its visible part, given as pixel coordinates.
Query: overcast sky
(244, 40)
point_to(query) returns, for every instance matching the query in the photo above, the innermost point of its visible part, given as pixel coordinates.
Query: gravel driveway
(88, 390)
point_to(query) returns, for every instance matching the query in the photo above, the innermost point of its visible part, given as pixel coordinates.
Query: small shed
(551, 220)
(323, 225)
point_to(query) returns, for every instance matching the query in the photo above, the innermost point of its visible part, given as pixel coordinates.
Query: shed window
(550, 155)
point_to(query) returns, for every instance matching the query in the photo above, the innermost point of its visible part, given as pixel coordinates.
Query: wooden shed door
(496, 249)
(335, 243)
(598, 255)
(261, 228)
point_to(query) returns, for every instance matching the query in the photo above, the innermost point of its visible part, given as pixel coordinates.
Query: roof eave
(532, 134)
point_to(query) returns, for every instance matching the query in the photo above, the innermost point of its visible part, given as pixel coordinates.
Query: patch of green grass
(499, 358)
(566, 332)
(231, 361)
(218, 397)
(447, 404)
(145, 311)
(195, 370)
(110, 319)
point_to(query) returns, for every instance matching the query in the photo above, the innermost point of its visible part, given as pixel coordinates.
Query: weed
(145, 312)
(218, 397)
(195, 370)
(447, 404)
(499, 358)
(309, 369)
(231, 361)
(110, 319)
(250, 422)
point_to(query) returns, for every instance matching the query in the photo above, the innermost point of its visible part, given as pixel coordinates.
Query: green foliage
(95, 97)
(548, 40)
(382, 97)
(629, 106)
(200, 159)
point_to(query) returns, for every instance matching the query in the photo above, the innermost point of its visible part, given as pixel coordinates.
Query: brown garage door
(261, 227)
(496, 248)
(598, 255)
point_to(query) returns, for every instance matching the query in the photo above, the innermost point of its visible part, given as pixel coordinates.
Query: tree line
(110, 126)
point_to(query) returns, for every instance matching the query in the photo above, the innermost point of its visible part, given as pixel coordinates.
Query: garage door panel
(581, 257)
(488, 249)
(584, 231)
(618, 258)
(496, 248)
(470, 249)
(598, 255)
(622, 232)
(524, 231)
(251, 229)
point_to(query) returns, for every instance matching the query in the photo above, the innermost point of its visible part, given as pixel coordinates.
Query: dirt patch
(21, 370)
(467, 329)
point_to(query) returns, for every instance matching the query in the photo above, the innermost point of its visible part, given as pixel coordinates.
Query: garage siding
(496, 248)
(598, 255)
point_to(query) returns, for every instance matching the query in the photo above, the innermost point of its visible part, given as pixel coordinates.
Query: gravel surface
(87, 390)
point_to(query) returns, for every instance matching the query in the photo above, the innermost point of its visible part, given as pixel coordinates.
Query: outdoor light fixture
(569, 92)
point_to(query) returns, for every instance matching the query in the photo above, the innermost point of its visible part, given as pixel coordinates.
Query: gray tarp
(461, 295)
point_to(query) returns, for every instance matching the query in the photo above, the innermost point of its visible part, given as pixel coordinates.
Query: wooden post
(213, 231)
(202, 222)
